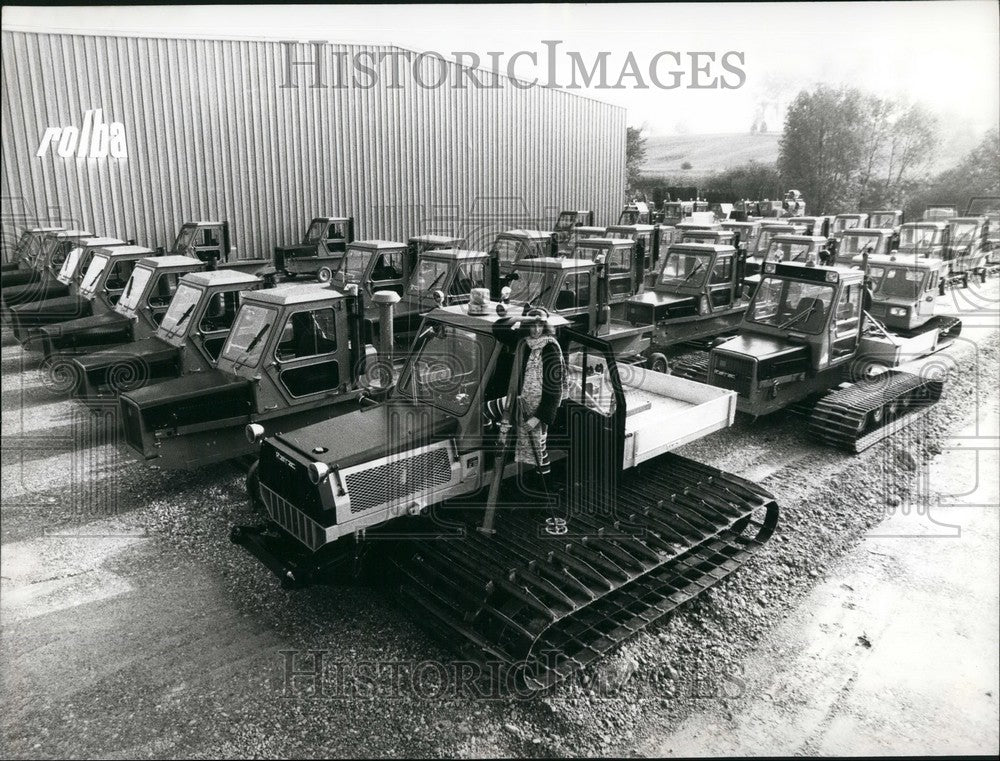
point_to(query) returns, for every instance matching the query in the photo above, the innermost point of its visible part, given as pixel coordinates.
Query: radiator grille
(399, 478)
(732, 372)
(294, 521)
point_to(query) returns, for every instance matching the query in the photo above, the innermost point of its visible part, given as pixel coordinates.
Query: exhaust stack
(385, 300)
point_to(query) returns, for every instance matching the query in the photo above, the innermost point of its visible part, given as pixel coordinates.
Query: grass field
(707, 153)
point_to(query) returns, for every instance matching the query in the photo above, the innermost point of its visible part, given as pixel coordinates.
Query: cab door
(620, 273)
(335, 241)
(208, 244)
(215, 324)
(387, 272)
(119, 271)
(161, 292)
(590, 425)
(720, 282)
(845, 326)
(926, 300)
(310, 358)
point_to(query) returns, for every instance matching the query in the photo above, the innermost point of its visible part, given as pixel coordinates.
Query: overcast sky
(945, 54)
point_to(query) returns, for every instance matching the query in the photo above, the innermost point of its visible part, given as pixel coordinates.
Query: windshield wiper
(180, 321)
(252, 344)
(128, 288)
(93, 279)
(693, 272)
(437, 280)
(800, 316)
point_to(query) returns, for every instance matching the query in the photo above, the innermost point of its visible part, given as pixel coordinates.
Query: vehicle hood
(366, 435)
(763, 347)
(153, 349)
(83, 324)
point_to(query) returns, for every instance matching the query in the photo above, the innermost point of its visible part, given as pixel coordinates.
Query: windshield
(69, 265)
(446, 370)
(92, 279)
(315, 231)
(584, 251)
(566, 220)
(883, 221)
(899, 283)
(249, 334)
(791, 304)
(354, 264)
(185, 239)
(530, 284)
(856, 244)
(963, 232)
(685, 268)
(431, 275)
(178, 316)
(764, 239)
(783, 251)
(919, 236)
(134, 289)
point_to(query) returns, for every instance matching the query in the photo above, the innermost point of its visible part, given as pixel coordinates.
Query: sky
(943, 54)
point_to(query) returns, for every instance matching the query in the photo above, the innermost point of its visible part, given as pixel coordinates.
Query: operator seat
(815, 321)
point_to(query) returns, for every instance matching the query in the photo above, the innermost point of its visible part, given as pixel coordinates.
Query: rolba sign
(95, 140)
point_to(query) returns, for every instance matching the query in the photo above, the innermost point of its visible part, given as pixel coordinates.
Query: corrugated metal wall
(211, 134)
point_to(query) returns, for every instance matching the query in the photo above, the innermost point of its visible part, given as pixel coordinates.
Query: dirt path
(896, 651)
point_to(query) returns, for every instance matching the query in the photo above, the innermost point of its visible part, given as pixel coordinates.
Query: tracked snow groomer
(294, 355)
(143, 302)
(188, 339)
(697, 294)
(44, 268)
(100, 287)
(643, 530)
(22, 255)
(322, 247)
(805, 334)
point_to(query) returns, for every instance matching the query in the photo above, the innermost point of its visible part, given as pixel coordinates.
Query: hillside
(707, 153)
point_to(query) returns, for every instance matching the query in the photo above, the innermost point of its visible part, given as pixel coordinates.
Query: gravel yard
(132, 627)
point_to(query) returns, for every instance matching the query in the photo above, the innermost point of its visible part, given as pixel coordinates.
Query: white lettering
(96, 140)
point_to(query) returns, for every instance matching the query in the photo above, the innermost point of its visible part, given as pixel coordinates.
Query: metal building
(131, 136)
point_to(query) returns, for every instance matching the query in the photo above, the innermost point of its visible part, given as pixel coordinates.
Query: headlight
(254, 433)
(897, 312)
(318, 471)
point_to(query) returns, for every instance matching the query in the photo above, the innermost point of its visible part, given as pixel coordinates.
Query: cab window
(163, 289)
(574, 292)
(388, 266)
(849, 308)
(619, 260)
(308, 334)
(120, 272)
(507, 249)
(220, 312)
(469, 275)
(722, 272)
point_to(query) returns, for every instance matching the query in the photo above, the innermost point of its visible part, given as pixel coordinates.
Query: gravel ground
(153, 636)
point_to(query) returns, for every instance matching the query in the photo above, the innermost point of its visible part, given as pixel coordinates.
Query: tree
(822, 147)
(635, 156)
(850, 150)
(978, 174)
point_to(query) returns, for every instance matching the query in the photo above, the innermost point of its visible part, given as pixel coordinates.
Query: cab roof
(532, 234)
(977, 219)
(853, 215)
(604, 242)
(868, 231)
(172, 260)
(913, 262)
(378, 245)
(816, 272)
(73, 234)
(283, 295)
(817, 240)
(552, 262)
(594, 229)
(44, 229)
(636, 227)
(330, 219)
(454, 253)
(435, 239)
(203, 223)
(97, 242)
(937, 223)
(118, 252)
(220, 277)
(459, 316)
(702, 248)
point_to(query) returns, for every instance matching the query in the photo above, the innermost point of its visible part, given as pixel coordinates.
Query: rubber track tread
(553, 604)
